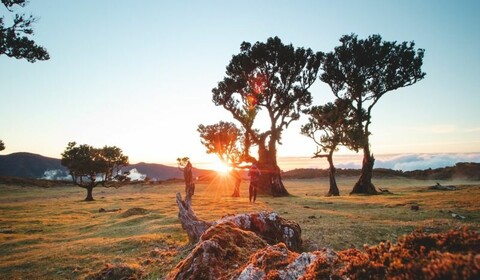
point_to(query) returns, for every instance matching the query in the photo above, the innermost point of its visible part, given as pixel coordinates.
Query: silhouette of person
(254, 174)
(187, 175)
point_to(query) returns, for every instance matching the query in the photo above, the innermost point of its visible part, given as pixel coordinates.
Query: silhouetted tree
(15, 41)
(362, 71)
(223, 139)
(182, 162)
(2, 145)
(274, 79)
(329, 126)
(90, 167)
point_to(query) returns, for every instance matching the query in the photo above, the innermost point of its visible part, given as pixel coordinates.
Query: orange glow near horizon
(220, 167)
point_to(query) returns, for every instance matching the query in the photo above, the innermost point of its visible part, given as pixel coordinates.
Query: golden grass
(51, 233)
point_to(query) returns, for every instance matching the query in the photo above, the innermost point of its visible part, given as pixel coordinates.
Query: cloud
(56, 174)
(424, 161)
(442, 129)
(136, 176)
(474, 129)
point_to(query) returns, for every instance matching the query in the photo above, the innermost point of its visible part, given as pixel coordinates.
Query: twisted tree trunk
(333, 191)
(194, 226)
(364, 184)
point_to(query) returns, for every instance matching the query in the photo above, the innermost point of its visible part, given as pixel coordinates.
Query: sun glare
(220, 167)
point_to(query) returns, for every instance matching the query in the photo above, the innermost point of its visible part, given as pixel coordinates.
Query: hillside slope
(33, 166)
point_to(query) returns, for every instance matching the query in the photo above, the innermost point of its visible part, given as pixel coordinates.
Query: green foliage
(223, 140)
(362, 71)
(267, 76)
(91, 166)
(2, 145)
(15, 41)
(329, 126)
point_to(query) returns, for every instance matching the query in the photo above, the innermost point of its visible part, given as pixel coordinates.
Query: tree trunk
(333, 191)
(364, 184)
(89, 194)
(271, 179)
(236, 189)
(189, 220)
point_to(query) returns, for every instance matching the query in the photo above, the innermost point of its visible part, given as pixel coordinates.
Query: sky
(139, 75)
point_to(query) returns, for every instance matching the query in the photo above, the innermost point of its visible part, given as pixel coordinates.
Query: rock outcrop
(222, 249)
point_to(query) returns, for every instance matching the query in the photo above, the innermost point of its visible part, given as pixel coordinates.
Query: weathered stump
(194, 226)
(268, 225)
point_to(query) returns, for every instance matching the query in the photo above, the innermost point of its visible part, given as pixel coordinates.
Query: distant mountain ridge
(34, 166)
(27, 165)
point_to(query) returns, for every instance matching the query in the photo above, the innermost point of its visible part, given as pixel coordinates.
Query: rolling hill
(34, 166)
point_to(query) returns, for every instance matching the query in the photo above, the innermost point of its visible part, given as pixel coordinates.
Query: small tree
(15, 41)
(274, 79)
(361, 72)
(329, 126)
(223, 139)
(182, 162)
(90, 167)
(2, 145)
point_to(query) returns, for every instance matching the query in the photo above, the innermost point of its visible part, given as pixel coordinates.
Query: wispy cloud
(474, 129)
(442, 129)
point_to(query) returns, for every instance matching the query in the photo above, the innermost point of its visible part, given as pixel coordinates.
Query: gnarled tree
(329, 126)
(361, 72)
(15, 40)
(90, 167)
(268, 82)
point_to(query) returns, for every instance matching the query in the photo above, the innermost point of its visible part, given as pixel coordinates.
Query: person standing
(254, 174)
(187, 175)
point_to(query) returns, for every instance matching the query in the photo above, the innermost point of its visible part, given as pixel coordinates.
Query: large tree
(362, 71)
(265, 88)
(90, 167)
(15, 40)
(330, 126)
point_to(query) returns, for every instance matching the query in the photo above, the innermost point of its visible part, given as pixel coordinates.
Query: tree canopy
(222, 139)
(90, 167)
(15, 40)
(361, 71)
(274, 79)
(2, 145)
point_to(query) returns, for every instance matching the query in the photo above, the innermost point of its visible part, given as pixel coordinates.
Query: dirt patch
(133, 212)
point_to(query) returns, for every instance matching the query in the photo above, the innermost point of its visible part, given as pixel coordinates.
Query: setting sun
(220, 167)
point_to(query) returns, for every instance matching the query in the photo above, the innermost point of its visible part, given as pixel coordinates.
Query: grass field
(51, 233)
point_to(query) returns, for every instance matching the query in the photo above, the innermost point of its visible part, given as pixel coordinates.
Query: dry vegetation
(51, 233)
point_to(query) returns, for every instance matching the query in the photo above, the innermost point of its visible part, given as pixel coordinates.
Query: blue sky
(139, 75)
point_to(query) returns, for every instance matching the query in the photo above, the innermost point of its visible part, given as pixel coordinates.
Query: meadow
(51, 233)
